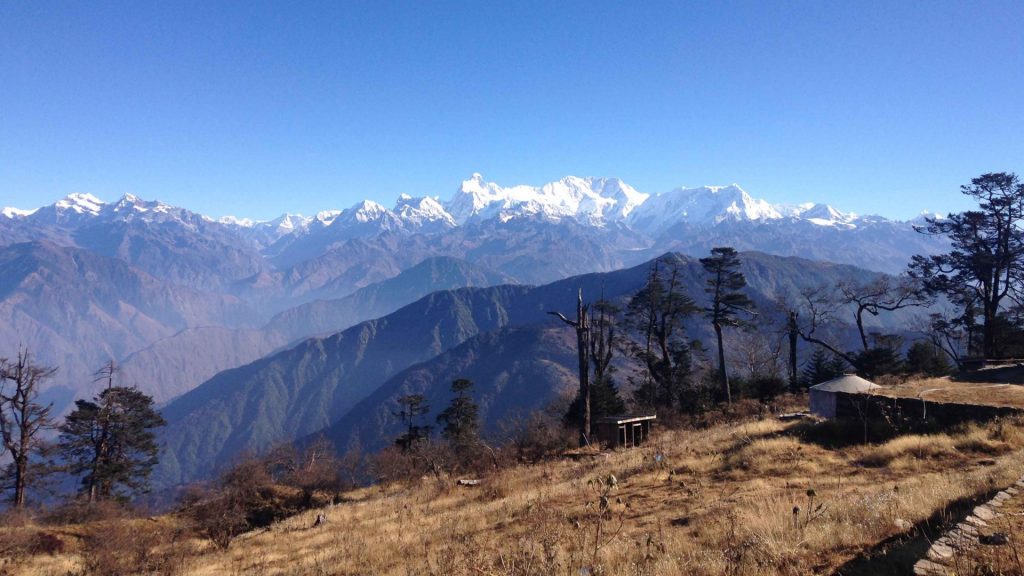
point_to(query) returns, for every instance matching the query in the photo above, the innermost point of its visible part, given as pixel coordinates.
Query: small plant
(812, 513)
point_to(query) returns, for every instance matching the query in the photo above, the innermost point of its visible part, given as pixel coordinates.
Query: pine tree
(110, 442)
(926, 358)
(986, 260)
(656, 313)
(725, 280)
(822, 367)
(411, 407)
(461, 419)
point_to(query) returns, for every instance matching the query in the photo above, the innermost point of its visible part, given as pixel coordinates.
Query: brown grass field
(760, 497)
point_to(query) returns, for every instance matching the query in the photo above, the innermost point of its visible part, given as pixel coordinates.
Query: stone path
(939, 560)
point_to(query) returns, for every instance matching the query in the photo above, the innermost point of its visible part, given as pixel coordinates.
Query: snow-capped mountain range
(87, 280)
(597, 202)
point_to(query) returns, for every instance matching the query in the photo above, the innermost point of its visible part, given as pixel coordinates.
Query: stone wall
(872, 407)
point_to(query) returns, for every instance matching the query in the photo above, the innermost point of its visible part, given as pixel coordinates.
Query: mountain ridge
(591, 200)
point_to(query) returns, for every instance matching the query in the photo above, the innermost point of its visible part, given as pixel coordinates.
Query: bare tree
(884, 294)
(759, 353)
(949, 333)
(816, 312)
(582, 326)
(23, 420)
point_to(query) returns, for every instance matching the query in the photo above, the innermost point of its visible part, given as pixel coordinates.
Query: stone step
(929, 568)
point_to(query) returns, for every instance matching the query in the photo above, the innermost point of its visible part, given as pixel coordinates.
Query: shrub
(133, 547)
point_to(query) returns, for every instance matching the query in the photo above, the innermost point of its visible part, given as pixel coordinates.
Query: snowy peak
(12, 213)
(286, 222)
(71, 210)
(326, 217)
(594, 201)
(825, 215)
(707, 205)
(927, 215)
(365, 211)
(472, 197)
(80, 204)
(130, 205)
(365, 218)
(235, 221)
(423, 213)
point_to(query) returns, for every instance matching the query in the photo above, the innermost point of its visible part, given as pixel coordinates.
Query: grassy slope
(719, 501)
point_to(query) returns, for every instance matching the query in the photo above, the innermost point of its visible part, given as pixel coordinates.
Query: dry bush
(535, 437)
(81, 512)
(245, 498)
(114, 548)
(771, 456)
(422, 459)
(913, 446)
(18, 544)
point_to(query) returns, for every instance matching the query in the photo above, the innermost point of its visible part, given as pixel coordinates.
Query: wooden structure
(626, 431)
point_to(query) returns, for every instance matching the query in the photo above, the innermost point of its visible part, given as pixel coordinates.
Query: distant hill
(378, 299)
(75, 309)
(514, 371)
(319, 382)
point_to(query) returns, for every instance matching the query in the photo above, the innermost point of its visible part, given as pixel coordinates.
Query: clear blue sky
(256, 108)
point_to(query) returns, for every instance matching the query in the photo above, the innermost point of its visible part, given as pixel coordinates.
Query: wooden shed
(824, 396)
(618, 431)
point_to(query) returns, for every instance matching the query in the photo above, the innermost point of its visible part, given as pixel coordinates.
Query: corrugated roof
(846, 383)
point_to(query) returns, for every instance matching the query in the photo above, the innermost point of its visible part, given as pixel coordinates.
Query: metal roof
(849, 383)
(624, 419)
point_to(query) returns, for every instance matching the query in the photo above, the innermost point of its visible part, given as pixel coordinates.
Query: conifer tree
(461, 419)
(822, 367)
(656, 313)
(110, 441)
(411, 407)
(725, 280)
(986, 263)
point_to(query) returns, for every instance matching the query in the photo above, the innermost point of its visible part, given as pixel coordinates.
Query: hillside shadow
(836, 434)
(1002, 375)
(898, 554)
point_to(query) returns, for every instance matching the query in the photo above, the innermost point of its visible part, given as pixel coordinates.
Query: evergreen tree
(878, 361)
(725, 280)
(461, 419)
(822, 367)
(926, 358)
(656, 314)
(604, 401)
(410, 408)
(110, 442)
(985, 264)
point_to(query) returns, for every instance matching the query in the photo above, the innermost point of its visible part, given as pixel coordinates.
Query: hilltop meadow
(750, 495)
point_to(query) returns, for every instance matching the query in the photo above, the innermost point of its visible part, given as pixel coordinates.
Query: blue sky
(256, 108)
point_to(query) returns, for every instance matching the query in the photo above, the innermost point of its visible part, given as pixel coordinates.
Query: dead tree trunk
(793, 333)
(582, 326)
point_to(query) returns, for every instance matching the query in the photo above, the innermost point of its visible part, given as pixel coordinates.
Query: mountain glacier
(597, 202)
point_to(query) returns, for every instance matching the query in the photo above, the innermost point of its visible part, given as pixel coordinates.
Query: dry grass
(948, 390)
(740, 499)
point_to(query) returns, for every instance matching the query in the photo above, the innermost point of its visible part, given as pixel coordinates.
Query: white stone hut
(824, 396)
